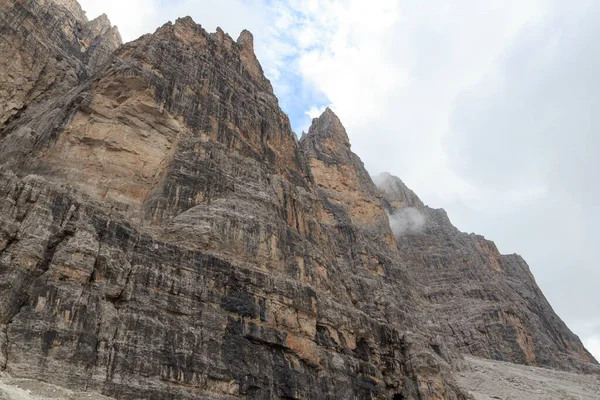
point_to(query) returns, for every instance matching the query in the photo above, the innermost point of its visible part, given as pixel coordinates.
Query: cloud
(133, 17)
(392, 69)
(315, 112)
(137, 17)
(407, 221)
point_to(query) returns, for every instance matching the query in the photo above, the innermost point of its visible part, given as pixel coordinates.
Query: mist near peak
(407, 221)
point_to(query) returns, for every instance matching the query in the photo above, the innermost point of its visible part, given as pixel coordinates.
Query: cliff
(164, 235)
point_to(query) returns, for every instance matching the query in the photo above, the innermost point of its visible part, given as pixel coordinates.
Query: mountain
(163, 234)
(485, 303)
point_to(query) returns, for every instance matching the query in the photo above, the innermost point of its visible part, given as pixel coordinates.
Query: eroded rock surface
(164, 235)
(47, 47)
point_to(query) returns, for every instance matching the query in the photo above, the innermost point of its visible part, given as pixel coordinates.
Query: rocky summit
(164, 235)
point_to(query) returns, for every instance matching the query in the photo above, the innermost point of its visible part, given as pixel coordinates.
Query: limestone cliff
(164, 235)
(47, 48)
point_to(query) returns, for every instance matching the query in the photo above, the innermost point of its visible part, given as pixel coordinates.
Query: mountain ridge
(165, 235)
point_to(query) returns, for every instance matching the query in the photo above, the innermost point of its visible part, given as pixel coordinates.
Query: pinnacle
(101, 24)
(329, 115)
(328, 125)
(246, 40)
(187, 20)
(73, 7)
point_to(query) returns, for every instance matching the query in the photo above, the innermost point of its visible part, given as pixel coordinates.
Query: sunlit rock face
(163, 234)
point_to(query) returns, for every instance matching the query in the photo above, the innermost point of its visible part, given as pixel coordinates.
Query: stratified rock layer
(47, 47)
(164, 235)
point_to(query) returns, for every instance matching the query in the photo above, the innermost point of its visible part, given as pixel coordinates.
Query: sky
(485, 109)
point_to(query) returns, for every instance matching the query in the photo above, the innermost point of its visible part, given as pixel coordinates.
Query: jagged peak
(222, 36)
(187, 20)
(328, 125)
(328, 142)
(246, 40)
(219, 35)
(184, 24)
(73, 7)
(117, 33)
(101, 25)
(102, 18)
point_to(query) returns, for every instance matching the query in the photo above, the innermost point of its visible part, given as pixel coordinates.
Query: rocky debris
(28, 389)
(164, 235)
(493, 380)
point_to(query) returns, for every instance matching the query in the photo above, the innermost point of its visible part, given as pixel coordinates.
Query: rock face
(164, 235)
(48, 47)
(485, 303)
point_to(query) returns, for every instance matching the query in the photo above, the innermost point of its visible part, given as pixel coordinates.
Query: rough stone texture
(47, 47)
(164, 235)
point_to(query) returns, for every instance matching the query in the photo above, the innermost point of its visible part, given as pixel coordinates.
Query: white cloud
(407, 221)
(133, 17)
(137, 17)
(315, 112)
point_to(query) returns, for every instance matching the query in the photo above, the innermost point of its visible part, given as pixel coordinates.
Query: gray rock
(486, 304)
